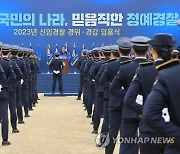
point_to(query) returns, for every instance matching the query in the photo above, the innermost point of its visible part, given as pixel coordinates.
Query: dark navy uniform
(20, 62)
(30, 81)
(165, 94)
(106, 79)
(26, 86)
(98, 93)
(33, 80)
(78, 65)
(90, 87)
(161, 110)
(4, 98)
(36, 60)
(10, 77)
(12, 92)
(120, 84)
(141, 86)
(84, 82)
(56, 66)
(102, 95)
(99, 105)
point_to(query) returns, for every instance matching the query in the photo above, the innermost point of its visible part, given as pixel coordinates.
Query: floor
(58, 125)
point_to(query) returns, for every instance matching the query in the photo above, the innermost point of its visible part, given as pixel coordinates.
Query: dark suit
(165, 93)
(114, 116)
(130, 120)
(57, 65)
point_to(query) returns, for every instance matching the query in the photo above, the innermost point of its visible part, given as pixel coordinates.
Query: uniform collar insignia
(168, 63)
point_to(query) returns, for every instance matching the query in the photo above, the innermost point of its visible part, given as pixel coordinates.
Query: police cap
(84, 51)
(15, 48)
(6, 47)
(141, 41)
(162, 39)
(114, 48)
(124, 43)
(106, 49)
(95, 50)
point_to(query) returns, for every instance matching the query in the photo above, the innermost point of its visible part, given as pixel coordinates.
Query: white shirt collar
(159, 59)
(124, 56)
(140, 58)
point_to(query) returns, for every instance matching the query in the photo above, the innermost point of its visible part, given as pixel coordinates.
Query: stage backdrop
(88, 22)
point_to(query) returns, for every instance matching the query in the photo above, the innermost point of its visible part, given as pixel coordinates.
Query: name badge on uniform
(139, 99)
(165, 115)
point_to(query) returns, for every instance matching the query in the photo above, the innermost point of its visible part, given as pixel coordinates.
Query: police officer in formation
(78, 65)
(16, 69)
(56, 66)
(138, 96)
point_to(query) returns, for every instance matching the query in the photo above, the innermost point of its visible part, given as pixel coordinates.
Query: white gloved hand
(0, 87)
(22, 81)
(139, 99)
(165, 115)
(93, 80)
(54, 71)
(57, 72)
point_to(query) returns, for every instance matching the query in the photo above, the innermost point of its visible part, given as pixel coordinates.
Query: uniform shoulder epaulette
(111, 60)
(104, 62)
(146, 63)
(6, 59)
(13, 60)
(168, 64)
(96, 60)
(125, 62)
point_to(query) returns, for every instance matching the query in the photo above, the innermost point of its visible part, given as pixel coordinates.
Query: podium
(66, 66)
(65, 59)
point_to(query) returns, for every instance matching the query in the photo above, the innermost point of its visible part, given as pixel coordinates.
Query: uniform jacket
(165, 93)
(121, 82)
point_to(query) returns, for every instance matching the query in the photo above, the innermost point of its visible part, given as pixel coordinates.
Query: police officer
(30, 79)
(25, 102)
(36, 62)
(165, 94)
(140, 88)
(99, 103)
(84, 80)
(120, 84)
(56, 66)
(91, 84)
(34, 69)
(93, 72)
(17, 57)
(7, 76)
(12, 89)
(115, 105)
(78, 65)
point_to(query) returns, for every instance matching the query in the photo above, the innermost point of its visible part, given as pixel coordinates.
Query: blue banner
(84, 22)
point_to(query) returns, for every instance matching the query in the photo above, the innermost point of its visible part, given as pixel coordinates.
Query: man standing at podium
(56, 66)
